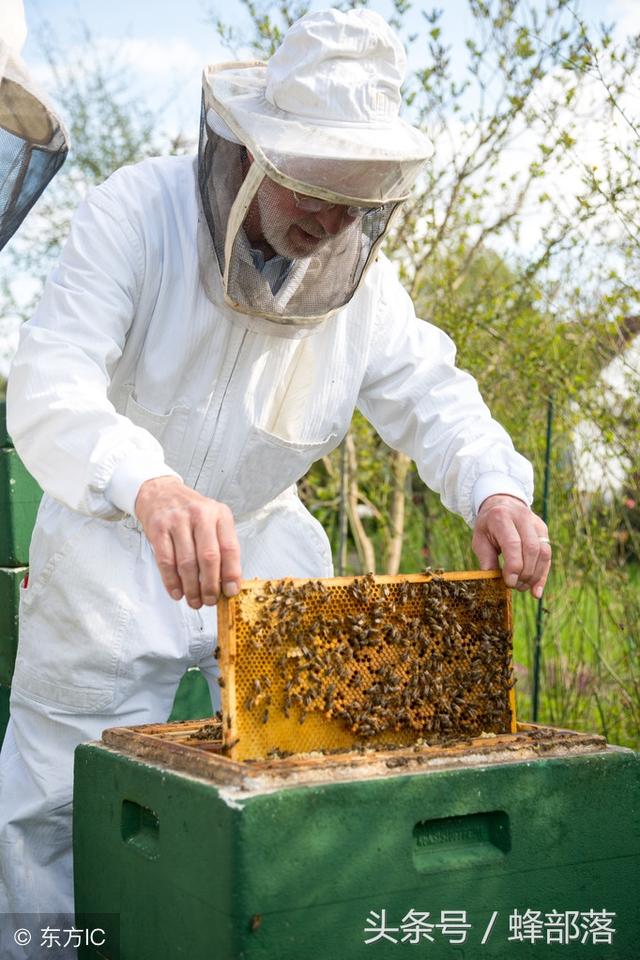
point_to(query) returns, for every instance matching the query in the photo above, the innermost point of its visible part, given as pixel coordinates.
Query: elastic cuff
(490, 484)
(129, 476)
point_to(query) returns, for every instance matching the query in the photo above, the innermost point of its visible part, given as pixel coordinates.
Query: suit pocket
(73, 620)
(169, 429)
(268, 465)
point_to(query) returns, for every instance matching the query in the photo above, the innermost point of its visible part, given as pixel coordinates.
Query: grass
(590, 667)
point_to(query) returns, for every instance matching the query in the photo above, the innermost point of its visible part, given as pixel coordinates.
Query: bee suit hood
(33, 141)
(302, 162)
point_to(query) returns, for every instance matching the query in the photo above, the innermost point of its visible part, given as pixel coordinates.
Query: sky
(168, 43)
(164, 46)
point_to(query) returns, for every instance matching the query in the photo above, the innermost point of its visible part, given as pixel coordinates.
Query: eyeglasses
(316, 205)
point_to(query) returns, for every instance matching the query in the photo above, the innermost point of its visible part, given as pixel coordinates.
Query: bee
(405, 591)
(330, 696)
(265, 715)
(222, 682)
(355, 591)
(366, 730)
(216, 653)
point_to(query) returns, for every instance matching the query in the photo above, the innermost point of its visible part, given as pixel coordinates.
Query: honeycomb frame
(346, 663)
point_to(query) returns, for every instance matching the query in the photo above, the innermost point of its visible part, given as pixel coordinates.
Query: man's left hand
(506, 525)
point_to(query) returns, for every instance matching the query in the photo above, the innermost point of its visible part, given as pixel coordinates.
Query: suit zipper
(214, 432)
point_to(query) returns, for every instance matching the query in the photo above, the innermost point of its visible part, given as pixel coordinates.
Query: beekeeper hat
(331, 92)
(33, 141)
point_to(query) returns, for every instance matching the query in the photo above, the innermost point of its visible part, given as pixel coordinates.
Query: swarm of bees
(430, 657)
(208, 731)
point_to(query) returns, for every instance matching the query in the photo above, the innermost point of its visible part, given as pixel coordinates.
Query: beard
(290, 238)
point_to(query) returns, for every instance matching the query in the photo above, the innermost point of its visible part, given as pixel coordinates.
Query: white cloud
(168, 73)
(626, 14)
(164, 73)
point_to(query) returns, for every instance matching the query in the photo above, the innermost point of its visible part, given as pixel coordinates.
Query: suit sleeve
(422, 404)
(66, 431)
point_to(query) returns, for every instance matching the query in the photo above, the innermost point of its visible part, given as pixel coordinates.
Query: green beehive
(19, 500)
(10, 580)
(192, 855)
(5, 439)
(4, 710)
(192, 700)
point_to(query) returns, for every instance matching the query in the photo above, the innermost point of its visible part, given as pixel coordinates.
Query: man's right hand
(193, 539)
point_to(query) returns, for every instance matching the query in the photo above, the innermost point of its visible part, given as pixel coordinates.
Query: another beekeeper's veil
(33, 142)
(306, 156)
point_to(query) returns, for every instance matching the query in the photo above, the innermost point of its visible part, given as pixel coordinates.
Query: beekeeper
(209, 331)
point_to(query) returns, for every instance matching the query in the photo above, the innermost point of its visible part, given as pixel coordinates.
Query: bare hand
(507, 526)
(193, 539)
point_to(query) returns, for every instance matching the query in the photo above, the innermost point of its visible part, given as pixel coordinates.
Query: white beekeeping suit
(33, 142)
(165, 342)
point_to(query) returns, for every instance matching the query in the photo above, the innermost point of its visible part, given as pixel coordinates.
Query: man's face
(278, 221)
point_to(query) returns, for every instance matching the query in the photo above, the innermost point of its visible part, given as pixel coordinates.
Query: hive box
(192, 700)
(4, 710)
(5, 439)
(194, 855)
(10, 580)
(19, 500)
